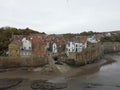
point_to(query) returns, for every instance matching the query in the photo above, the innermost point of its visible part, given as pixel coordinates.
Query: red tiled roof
(17, 42)
(83, 39)
(98, 36)
(39, 53)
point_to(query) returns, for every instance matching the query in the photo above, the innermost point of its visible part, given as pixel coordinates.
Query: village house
(54, 48)
(73, 47)
(26, 44)
(83, 40)
(99, 36)
(43, 44)
(40, 43)
(57, 44)
(30, 45)
(14, 48)
(61, 43)
(26, 49)
(78, 47)
(108, 34)
(92, 39)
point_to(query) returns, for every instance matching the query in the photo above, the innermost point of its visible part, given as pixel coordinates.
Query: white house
(26, 49)
(73, 47)
(26, 44)
(108, 34)
(92, 39)
(54, 48)
(78, 47)
(70, 47)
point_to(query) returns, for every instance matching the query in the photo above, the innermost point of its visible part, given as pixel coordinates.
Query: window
(69, 49)
(76, 45)
(24, 48)
(29, 48)
(76, 49)
(68, 44)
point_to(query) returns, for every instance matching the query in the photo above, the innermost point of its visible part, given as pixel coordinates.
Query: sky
(61, 16)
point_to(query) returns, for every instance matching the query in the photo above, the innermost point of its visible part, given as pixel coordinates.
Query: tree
(7, 32)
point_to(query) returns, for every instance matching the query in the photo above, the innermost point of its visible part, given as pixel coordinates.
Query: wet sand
(30, 76)
(106, 78)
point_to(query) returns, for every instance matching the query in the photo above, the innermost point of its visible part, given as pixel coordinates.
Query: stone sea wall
(111, 47)
(88, 55)
(91, 54)
(8, 62)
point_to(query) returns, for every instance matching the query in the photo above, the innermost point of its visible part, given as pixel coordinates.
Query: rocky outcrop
(44, 85)
(8, 83)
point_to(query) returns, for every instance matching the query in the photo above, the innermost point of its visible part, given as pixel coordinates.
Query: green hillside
(7, 32)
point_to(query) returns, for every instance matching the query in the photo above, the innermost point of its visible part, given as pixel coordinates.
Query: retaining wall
(8, 62)
(93, 53)
(88, 55)
(111, 47)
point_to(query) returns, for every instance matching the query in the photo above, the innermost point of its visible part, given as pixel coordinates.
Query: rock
(70, 61)
(8, 83)
(3, 70)
(11, 69)
(44, 85)
(37, 69)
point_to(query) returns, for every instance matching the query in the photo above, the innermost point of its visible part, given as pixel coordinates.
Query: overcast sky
(61, 16)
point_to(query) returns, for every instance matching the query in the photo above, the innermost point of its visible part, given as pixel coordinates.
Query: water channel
(106, 78)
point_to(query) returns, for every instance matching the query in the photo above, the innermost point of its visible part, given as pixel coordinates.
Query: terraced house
(29, 45)
(14, 48)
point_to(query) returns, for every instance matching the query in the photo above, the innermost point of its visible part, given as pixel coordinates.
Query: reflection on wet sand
(106, 77)
(93, 68)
